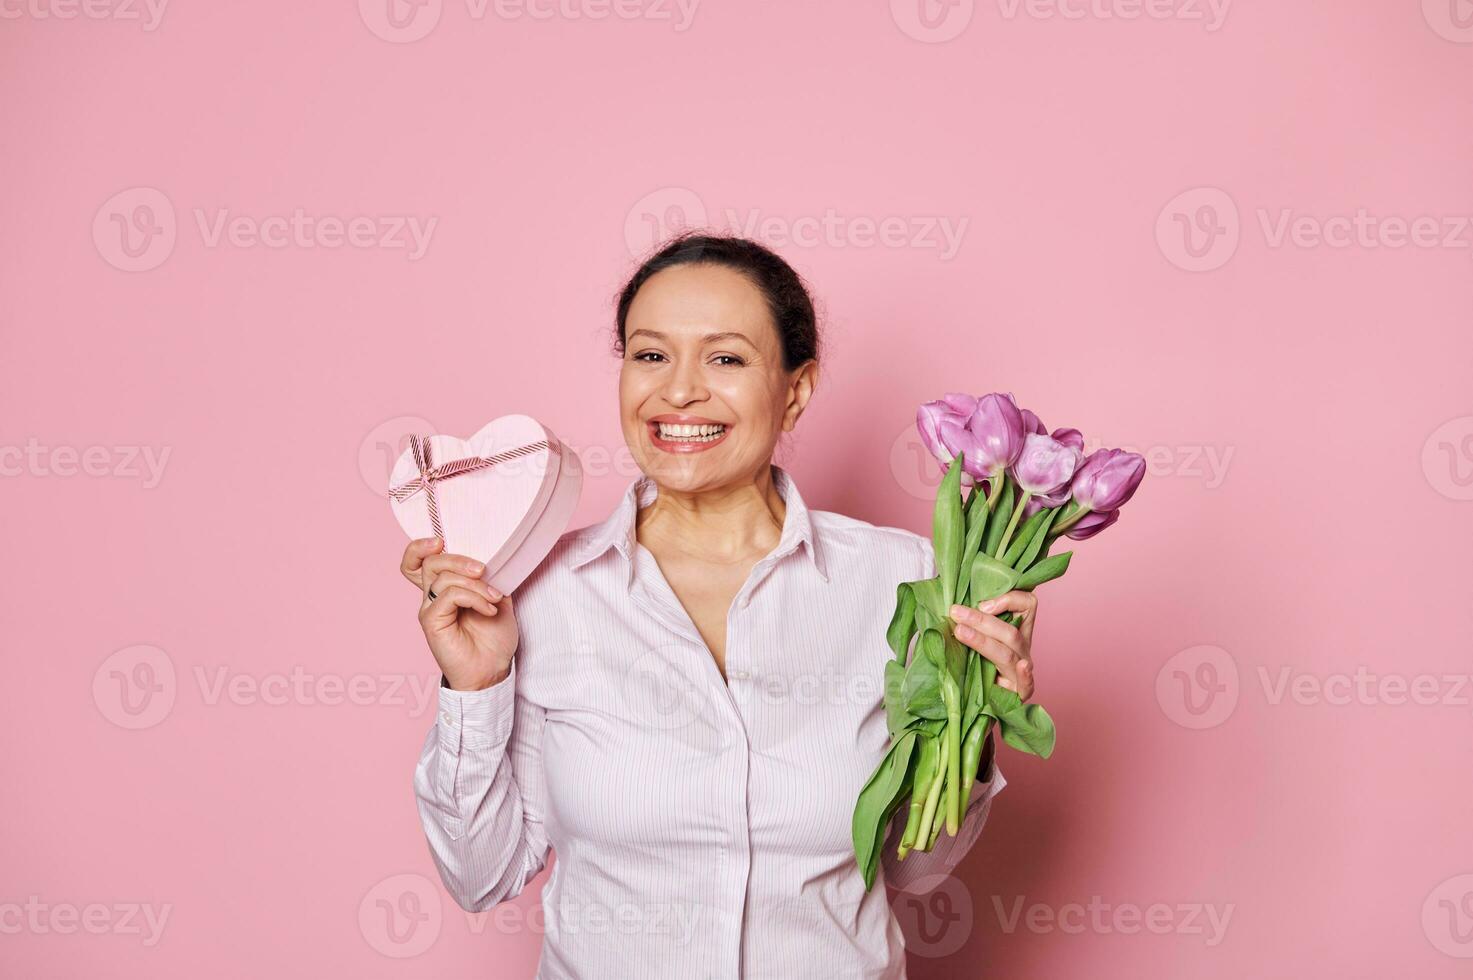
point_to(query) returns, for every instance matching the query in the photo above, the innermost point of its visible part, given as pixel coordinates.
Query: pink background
(1306, 405)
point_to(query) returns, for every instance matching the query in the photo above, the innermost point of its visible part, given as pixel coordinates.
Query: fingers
(1007, 646)
(443, 611)
(987, 625)
(415, 554)
(993, 649)
(439, 564)
(446, 581)
(423, 560)
(1023, 604)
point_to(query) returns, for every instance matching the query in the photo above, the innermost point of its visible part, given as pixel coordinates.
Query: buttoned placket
(653, 594)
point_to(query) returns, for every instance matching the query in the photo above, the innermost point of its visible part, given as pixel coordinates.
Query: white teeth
(690, 433)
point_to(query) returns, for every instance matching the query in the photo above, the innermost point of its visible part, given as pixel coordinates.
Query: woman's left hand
(1009, 647)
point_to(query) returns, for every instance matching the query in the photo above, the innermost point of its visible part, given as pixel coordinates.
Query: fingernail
(477, 567)
(958, 610)
(493, 593)
(989, 605)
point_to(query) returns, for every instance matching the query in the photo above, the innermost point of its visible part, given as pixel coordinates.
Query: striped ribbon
(430, 474)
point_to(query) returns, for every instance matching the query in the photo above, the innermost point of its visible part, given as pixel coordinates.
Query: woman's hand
(471, 627)
(1009, 647)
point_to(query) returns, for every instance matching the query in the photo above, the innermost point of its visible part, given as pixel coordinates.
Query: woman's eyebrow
(708, 338)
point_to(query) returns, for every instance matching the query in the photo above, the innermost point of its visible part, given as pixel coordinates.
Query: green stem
(924, 776)
(994, 491)
(1064, 524)
(928, 815)
(935, 831)
(953, 771)
(1007, 535)
(972, 753)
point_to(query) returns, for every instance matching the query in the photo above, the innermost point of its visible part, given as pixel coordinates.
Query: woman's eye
(736, 361)
(648, 353)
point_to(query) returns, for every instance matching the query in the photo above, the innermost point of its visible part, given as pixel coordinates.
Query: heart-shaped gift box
(504, 496)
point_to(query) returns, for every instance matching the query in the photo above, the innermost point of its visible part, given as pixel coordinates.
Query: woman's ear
(801, 382)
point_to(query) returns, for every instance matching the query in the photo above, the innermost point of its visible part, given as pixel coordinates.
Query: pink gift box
(504, 496)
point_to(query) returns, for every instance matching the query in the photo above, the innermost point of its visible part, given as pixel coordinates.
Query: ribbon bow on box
(429, 474)
(508, 517)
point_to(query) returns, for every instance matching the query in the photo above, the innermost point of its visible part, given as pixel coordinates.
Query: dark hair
(786, 294)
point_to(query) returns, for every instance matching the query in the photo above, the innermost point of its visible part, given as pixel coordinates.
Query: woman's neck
(725, 525)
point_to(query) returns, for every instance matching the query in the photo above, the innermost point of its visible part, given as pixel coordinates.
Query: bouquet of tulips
(1026, 489)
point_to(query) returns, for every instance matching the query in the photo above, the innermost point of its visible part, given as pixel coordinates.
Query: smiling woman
(683, 700)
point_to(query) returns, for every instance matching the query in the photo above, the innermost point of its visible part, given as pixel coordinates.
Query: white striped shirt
(701, 825)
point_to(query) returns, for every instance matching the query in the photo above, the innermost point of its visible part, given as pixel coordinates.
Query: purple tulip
(1091, 524)
(1038, 502)
(996, 426)
(1070, 437)
(943, 429)
(1045, 466)
(1107, 479)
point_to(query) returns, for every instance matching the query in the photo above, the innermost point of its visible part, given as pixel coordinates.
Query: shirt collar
(617, 530)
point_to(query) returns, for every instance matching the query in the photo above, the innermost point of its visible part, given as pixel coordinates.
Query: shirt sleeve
(481, 794)
(949, 851)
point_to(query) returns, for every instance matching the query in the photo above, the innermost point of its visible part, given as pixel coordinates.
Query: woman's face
(702, 354)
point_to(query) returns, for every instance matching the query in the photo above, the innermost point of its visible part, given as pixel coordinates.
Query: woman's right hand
(471, 627)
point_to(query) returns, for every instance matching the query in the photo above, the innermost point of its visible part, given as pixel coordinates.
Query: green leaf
(976, 524)
(998, 523)
(922, 685)
(1046, 570)
(990, 578)
(948, 530)
(1029, 729)
(973, 695)
(1040, 538)
(903, 623)
(1026, 727)
(877, 802)
(928, 594)
(897, 718)
(1023, 538)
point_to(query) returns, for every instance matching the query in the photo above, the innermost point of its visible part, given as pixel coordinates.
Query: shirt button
(739, 675)
(445, 718)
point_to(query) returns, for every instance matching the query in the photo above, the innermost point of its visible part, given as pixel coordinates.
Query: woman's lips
(685, 446)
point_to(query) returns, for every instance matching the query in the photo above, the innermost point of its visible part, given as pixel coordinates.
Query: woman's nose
(686, 384)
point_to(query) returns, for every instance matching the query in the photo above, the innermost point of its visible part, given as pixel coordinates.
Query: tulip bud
(1045, 466)
(1108, 478)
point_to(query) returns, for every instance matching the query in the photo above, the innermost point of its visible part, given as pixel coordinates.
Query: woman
(695, 698)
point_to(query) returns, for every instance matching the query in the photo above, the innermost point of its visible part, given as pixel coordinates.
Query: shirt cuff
(476, 718)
